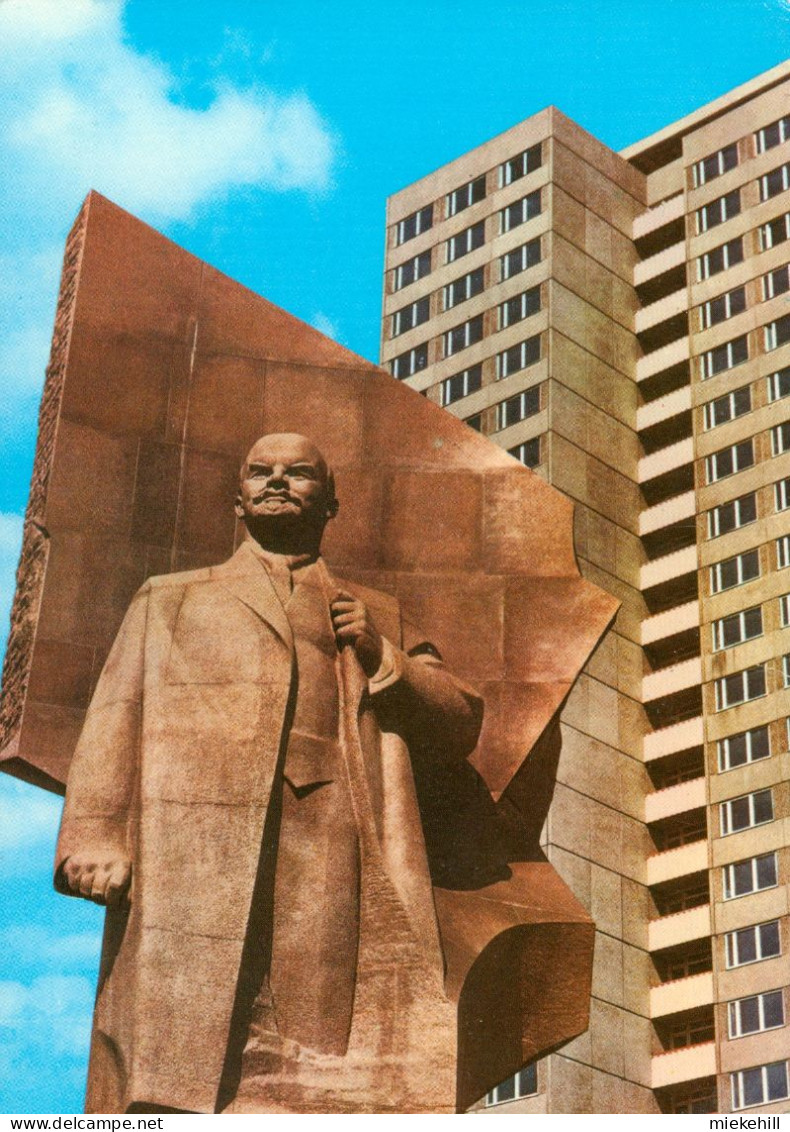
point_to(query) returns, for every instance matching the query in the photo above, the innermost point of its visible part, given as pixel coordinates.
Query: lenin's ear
(332, 508)
(237, 507)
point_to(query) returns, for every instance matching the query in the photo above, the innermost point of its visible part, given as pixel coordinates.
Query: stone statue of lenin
(242, 799)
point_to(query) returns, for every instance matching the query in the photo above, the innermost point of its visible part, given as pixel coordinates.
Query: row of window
(735, 352)
(726, 207)
(737, 814)
(745, 625)
(737, 457)
(747, 685)
(715, 164)
(511, 411)
(740, 512)
(471, 192)
(761, 1085)
(752, 875)
(739, 402)
(756, 1013)
(720, 258)
(512, 263)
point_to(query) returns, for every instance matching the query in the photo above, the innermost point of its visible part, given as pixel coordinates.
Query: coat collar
(246, 577)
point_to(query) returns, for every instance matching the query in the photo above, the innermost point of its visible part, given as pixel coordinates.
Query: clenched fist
(99, 875)
(354, 625)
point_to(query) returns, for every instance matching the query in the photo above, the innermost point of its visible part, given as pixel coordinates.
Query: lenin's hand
(99, 875)
(354, 625)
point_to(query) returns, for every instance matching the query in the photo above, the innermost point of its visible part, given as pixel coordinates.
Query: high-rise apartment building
(621, 323)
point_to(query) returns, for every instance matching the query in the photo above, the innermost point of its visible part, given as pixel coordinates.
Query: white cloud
(45, 947)
(51, 1013)
(29, 818)
(325, 324)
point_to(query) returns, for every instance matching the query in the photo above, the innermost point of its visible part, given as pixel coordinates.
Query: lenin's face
(284, 481)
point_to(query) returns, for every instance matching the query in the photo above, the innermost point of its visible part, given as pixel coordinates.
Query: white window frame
(741, 618)
(525, 1084)
(706, 310)
(726, 687)
(718, 159)
(786, 670)
(502, 364)
(419, 216)
(766, 232)
(525, 250)
(731, 945)
(769, 282)
(753, 755)
(715, 571)
(523, 397)
(518, 452)
(731, 400)
(784, 134)
(445, 388)
(463, 197)
(740, 461)
(703, 262)
(526, 202)
(728, 877)
(783, 552)
(709, 360)
(449, 348)
(782, 494)
(735, 1023)
(775, 383)
(718, 211)
(505, 169)
(462, 243)
(780, 438)
(737, 1083)
(738, 506)
(412, 358)
(726, 821)
(468, 292)
(411, 316)
(416, 261)
(784, 179)
(524, 297)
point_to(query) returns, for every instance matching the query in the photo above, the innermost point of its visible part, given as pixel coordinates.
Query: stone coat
(175, 768)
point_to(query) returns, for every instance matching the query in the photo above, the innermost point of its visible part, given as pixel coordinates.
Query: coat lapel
(246, 577)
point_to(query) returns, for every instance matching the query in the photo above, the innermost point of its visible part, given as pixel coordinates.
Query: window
(735, 571)
(413, 225)
(518, 260)
(696, 1099)
(745, 747)
(728, 407)
(719, 259)
(519, 212)
(464, 288)
(775, 182)
(412, 270)
(777, 332)
(751, 945)
(758, 1012)
(710, 215)
(723, 307)
(409, 317)
(730, 516)
(466, 241)
(773, 135)
(749, 876)
(405, 365)
(475, 422)
(780, 439)
(779, 384)
(518, 357)
(743, 813)
(737, 628)
(689, 1032)
(463, 335)
(518, 167)
(518, 408)
(461, 385)
(466, 195)
(728, 461)
(711, 167)
(740, 687)
(775, 232)
(527, 453)
(776, 282)
(524, 1084)
(724, 357)
(786, 670)
(783, 552)
(519, 307)
(784, 610)
(761, 1085)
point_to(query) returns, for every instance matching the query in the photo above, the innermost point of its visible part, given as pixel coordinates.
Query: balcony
(678, 928)
(670, 622)
(648, 222)
(671, 740)
(668, 681)
(666, 460)
(667, 358)
(684, 1065)
(666, 514)
(668, 568)
(675, 863)
(664, 408)
(682, 994)
(660, 264)
(675, 800)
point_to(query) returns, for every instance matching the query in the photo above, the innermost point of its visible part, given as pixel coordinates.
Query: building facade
(621, 324)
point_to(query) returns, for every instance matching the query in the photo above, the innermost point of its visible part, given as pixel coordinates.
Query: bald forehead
(286, 448)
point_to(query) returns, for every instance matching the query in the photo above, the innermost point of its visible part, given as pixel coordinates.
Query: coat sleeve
(418, 697)
(103, 777)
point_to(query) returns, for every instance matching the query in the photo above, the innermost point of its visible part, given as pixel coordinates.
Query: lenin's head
(286, 493)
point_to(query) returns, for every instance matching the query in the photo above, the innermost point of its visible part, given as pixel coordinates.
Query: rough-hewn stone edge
(35, 539)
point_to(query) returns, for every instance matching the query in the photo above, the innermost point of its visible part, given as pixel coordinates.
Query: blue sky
(264, 137)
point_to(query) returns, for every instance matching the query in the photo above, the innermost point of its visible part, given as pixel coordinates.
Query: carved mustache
(286, 496)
